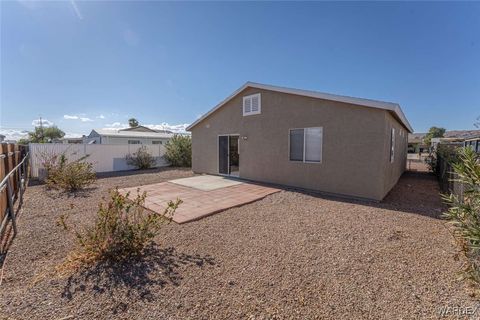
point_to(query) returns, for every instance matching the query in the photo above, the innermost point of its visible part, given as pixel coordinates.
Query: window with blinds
(252, 104)
(306, 144)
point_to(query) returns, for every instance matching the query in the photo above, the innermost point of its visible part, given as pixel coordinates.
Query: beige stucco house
(306, 139)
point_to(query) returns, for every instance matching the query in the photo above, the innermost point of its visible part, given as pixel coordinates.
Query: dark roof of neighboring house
(389, 106)
(145, 129)
(462, 134)
(133, 134)
(138, 128)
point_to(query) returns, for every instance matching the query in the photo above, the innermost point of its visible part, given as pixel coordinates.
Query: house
(464, 134)
(457, 138)
(136, 135)
(452, 142)
(305, 139)
(416, 143)
(473, 142)
(71, 140)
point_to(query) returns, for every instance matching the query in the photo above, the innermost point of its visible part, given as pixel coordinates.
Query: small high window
(134, 142)
(157, 142)
(252, 104)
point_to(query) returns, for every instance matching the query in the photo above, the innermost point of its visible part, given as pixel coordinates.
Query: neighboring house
(69, 140)
(473, 142)
(453, 142)
(306, 139)
(416, 144)
(465, 134)
(458, 138)
(137, 135)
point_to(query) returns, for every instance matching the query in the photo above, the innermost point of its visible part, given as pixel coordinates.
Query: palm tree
(132, 122)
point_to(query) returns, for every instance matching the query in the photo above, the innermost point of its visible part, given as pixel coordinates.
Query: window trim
(305, 161)
(251, 113)
(392, 145)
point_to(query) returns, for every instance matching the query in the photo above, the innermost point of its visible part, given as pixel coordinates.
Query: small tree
(133, 123)
(141, 159)
(179, 151)
(464, 212)
(44, 135)
(433, 132)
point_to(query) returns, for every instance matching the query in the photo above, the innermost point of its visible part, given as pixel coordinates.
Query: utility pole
(41, 130)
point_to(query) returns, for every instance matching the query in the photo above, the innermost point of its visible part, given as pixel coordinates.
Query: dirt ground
(291, 255)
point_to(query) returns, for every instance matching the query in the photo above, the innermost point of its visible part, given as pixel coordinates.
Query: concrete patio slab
(201, 195)
(206, 182)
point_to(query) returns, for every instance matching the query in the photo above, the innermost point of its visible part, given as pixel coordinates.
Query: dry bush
(141, 159)
(122, 229)
(69, 176)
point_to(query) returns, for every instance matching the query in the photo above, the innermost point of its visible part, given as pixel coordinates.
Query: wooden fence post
(3, 193)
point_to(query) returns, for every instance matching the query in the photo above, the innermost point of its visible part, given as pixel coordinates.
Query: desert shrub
(445, 153)
(464, 211)
(141, 159)
(122, 229)
(179, 151)
(69, 176)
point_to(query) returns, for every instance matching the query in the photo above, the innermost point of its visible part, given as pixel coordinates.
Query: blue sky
(83, 65)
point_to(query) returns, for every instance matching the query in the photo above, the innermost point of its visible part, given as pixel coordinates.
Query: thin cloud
(177, 128)
(43, 122)
(75, 117)
(34, 5)
(101, 116)
(115, 126)
(76, 10)
(14, 134)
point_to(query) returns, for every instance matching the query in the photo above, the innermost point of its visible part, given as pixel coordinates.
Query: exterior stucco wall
(353, 157)
(393, 170)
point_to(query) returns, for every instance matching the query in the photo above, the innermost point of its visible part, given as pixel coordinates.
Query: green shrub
(122, 230)
(141, 159)
(464, 211)
(179, 151)
(444, 152)
(69, 176)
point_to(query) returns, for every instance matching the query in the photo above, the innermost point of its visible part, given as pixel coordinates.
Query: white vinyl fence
(104, 157)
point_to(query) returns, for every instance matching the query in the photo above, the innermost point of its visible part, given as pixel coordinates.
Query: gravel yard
(290, 255)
